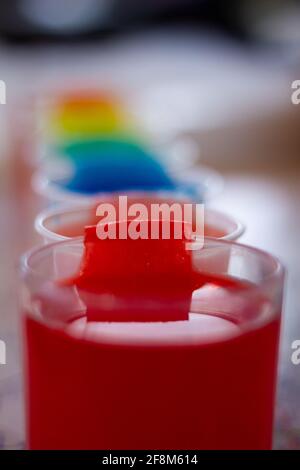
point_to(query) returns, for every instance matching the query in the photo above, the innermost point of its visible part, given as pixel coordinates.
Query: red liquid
(88, 395)
(143, 270)
(212, 387)
(76, 229)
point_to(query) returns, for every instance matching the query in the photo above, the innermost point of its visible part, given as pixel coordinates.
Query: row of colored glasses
(141, 342)
(91, 145)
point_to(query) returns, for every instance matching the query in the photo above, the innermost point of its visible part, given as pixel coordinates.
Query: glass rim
(211, 181)
(63, 209)
(277, 273)
(270, 287)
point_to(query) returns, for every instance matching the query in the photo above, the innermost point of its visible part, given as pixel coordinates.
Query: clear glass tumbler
(186, 359)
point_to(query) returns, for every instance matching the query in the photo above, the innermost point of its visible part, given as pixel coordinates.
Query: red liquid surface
(206, 391)
(75, 228)
(88, 395)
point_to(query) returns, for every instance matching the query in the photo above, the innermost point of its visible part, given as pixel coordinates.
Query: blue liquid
(111, 165)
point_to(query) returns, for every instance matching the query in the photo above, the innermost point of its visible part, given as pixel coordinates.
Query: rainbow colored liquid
(113, 165)
(96, 135)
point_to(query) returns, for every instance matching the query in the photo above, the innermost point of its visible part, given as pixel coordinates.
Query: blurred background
(213, 76)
